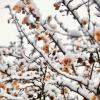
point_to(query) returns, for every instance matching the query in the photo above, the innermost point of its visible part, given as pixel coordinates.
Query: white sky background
(8, 32)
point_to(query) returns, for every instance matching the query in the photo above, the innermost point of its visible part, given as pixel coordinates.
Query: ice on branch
(50, 61)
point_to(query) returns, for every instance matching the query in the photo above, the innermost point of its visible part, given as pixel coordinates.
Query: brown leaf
(49, 18)
(51, 98)
(91, 60)
(45, 39)
(17, 8)
(57, 6)
(80, 60)
(31, 26)
(65, 69)
(2, 86)
(46, 33)
(15, 94)
(65, 90)
(66, 61)
(84, 22)
(25, 20)
(97, 36)
(93, 97)
(46, 48)
(15, 84)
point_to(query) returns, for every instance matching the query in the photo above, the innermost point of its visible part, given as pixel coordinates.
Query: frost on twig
(49, 54)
